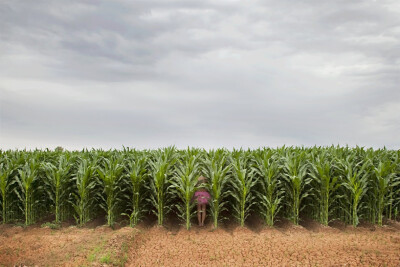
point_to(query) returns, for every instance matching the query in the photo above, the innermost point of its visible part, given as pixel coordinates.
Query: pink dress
(202, 197)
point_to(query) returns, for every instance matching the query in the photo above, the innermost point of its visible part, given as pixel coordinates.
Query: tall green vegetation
(384, 181)
(266, 167)
(27, 180)
(322, 183)
(85, 184)
(394, 205)
(161, 168)
(184, 185)
(355, 181)
(110, 173)
(295, 173)
(242, 182)
(216, 169)
(326, 182)
(7, 168)
(58, 183)
(135, 166)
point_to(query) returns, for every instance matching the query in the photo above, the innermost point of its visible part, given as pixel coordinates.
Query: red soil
(285, 245)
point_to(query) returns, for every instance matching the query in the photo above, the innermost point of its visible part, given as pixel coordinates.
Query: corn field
(322, 183)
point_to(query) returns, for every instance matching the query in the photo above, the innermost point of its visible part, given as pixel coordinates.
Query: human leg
(203, 209)
(199, 213)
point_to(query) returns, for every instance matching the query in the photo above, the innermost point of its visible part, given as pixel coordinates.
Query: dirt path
(286, 245)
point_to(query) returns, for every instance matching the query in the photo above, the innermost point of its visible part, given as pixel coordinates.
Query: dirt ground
(69, 246)
(286, 245)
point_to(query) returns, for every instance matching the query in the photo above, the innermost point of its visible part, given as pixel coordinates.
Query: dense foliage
(323, 183)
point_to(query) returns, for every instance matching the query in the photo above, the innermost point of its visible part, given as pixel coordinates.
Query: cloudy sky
(199, 73)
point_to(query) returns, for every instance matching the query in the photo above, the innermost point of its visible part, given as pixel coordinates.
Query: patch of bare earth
(309, 244)
(71, 246)
(287, 245)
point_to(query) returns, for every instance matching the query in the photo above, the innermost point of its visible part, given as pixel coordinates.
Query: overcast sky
(200, 73)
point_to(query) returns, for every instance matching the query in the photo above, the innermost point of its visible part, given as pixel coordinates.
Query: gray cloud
(199, 73)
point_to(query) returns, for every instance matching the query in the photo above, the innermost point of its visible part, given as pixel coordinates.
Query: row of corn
(322, 183)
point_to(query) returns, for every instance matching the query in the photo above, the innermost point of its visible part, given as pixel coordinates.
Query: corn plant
(295, 175)
(385, 180)
(110, 173)
(137, 176)
(394, 205)
(323, 172)
(327, 183)
(184, 186)
(242, 183)
(58, 178)
(6, 183)
(355, 180)
(161, 166)
(267, 168)
(217, 170)
(27, 179)
(85, 183)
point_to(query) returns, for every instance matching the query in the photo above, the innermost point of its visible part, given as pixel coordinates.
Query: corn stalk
(58, 177)
(26, 180)
(110, 173)
(385, 180)
(267, 168)
(85, 182)
(137, 175)
(326, 183)
(242, 183)
(355, 180)
(161, 169)
(184, 186)
(6, 182)
(216, 170)
(295, 175)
